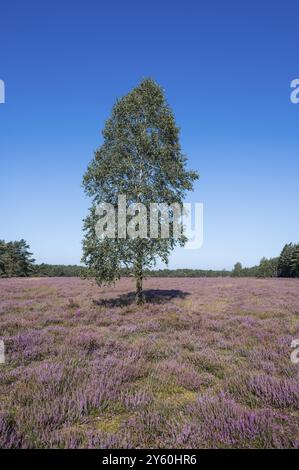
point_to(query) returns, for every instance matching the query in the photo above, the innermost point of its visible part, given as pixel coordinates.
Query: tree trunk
(139, 293)
(139, 279)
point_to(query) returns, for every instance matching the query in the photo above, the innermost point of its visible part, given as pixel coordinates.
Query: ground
(204, 363)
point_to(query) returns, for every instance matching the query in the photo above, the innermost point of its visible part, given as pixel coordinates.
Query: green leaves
(295, 262)
(288, 264)
(15, 259)
(140, 158)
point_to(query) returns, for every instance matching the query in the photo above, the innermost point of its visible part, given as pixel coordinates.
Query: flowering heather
(203, 363)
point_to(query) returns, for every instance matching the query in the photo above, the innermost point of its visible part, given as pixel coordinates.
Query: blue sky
(226, 68)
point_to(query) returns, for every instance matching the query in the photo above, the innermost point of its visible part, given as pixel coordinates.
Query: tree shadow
(152, 296)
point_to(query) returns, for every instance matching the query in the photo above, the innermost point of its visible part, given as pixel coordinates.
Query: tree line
(285, 265)
(16, 261)
(183, 272)
(58, 270)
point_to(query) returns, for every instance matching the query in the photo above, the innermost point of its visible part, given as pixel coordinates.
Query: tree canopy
(140, 158)
(15, 259)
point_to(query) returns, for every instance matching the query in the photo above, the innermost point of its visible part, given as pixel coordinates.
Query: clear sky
(226, 68)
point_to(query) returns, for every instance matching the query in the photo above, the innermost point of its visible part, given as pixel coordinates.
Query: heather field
(204, 363)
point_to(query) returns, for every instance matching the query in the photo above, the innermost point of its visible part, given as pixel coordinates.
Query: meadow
(204, 363)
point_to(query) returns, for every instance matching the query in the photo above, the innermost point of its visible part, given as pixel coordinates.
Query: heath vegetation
(202, 363)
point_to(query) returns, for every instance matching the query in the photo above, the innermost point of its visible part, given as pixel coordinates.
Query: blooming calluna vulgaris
(203, 363)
